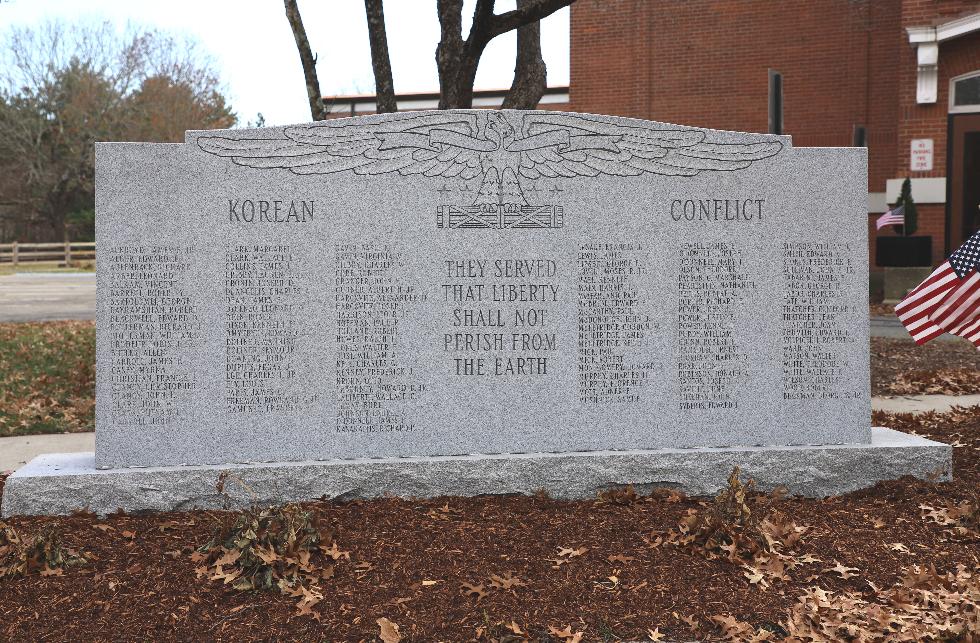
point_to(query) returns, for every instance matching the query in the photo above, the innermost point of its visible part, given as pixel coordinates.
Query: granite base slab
(61, 483)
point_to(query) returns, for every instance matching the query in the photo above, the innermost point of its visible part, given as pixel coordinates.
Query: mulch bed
(899, 367)
(409, 560)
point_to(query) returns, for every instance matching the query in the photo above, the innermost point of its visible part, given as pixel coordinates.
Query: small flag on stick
(895, 216)
(948, 301)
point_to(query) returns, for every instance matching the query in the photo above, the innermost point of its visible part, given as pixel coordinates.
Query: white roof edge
(945, 31)
(432, 103)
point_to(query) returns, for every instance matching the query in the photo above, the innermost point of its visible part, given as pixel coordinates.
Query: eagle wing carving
(444, 144)
(577, 145)
(485, 143)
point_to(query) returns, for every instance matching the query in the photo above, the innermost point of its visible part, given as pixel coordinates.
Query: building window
(859, 137)
(964, 93)
(775, 102)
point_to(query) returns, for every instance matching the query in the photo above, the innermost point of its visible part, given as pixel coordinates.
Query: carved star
(555, 190)
(444, 189)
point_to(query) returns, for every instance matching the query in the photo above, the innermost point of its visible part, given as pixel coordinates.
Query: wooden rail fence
(62, 252)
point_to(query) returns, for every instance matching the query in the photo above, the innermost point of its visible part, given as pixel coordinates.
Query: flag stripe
(915, 310)
(959, 304)
(970, 331)
(939, 277)
(948, 301)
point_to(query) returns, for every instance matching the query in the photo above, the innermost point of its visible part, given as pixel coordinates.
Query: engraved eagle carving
(505, 149)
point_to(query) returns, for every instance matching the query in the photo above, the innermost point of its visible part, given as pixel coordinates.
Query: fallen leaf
(505, 582)
(566, 634)
(655, 635)
(389, 631)
(732, 628)
(429, 583)
(229, 557)
(755, 577)
(617, 558)
(571, 552)
(473, 590)
(844, 572)
(334, 552)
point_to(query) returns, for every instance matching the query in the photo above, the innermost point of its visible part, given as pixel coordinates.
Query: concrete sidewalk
(47, 296)
(891, 327)
(16, 452)
(922, 403)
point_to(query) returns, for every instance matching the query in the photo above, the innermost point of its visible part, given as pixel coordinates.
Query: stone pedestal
(62, 483)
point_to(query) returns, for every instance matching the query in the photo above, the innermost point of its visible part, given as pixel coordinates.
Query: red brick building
(880, 73)
(883, 73)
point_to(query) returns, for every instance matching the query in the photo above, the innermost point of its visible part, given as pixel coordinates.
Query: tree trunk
(457, 60)
(530, 71)
(384, 87)
(317, 109)
(449, 50)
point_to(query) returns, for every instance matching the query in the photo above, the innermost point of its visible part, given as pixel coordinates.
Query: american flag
(892, 217)
(948, 301)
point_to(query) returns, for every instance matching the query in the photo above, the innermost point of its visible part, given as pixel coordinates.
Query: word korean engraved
(465, 282)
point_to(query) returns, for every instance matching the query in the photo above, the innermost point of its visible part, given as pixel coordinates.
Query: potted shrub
(906, 250)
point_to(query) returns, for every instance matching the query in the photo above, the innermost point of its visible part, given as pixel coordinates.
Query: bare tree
(530, 70)
(317, 109)
(383, 84)
(458, 59)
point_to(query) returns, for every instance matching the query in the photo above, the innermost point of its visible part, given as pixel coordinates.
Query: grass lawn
(47, 377)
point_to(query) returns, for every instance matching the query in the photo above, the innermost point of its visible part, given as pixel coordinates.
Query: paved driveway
(41, 296)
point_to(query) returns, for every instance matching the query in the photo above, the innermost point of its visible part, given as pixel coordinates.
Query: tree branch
(317, 109)
(530, 70)
(458, 60)
(526, 12)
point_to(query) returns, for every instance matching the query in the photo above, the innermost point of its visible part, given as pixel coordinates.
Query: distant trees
(63, 88)
(457, 59)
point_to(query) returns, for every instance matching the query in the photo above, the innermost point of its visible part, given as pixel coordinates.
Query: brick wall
(844, 63)
(956, 57)
(706, 62)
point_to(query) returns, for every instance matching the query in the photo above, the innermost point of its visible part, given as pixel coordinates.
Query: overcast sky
(256, 56)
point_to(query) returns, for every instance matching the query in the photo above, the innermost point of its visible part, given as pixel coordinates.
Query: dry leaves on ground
(43, 553)
(742, 527)
(283, 549)
(924, 606)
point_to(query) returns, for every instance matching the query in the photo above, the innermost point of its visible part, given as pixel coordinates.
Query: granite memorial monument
(471, 302)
